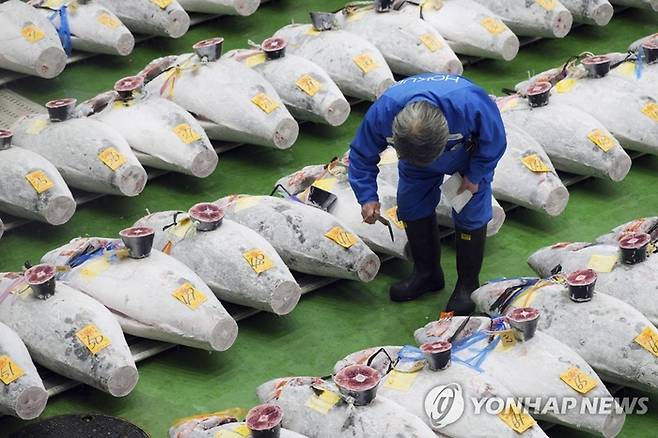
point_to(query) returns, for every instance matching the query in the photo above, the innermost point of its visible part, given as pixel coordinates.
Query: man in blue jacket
(439, 125)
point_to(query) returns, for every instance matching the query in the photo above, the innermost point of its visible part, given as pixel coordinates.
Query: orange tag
(39, 181)
(603, 141)
(651, 110)
(185, 132)
(32, 33)
(9, 370)
(93, 339)
(431, 42)
(108, 21)
(342, 237)
(446, 315)
(648, 339)
(264, 102)
(308, 85)
(578, 380)
(492, 25)
(162, 3)
(549, 5)
(190, 296)
(258, 260)
(392, 214)
(365, 63)
(112, 158)
(535, 163)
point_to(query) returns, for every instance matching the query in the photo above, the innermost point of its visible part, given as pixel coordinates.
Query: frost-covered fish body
(651, 5)
(84, 341)
(163, 17)
(410, 45)
(214, 427)
(156, 297)
(647, 225)
(598, 12)
(30, 43)
(238, 264)
(221, 7)
(355, 64)
(22, 393)
(305, 88)
(543, 18)
(308, 239)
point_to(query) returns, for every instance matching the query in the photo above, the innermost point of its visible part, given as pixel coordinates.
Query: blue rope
(89, 253)
(475, 362)
(63, 30)
(639, 63)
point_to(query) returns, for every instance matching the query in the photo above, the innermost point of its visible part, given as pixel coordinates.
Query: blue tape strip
(63, 29)
(475, 362)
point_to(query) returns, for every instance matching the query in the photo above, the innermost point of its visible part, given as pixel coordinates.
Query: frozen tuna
(308, 239)
(635, 45)
(2, 228)
(409, 44)
(162, 134)
(542, 18)
(306, 413)
(67, 332)
(90, 155)
(152, 17)
(305, 88)
(238, 264)
(469, 28)
(31, 187)
(604, 331)
(598, 12)
(355, 64)
(221, 7)
(534, 367)
(22, 393)
(634, 284)
(155, 297)
(648, 225)
(30, 43)
(408, 363)
(233, 102)
(642, 4)
(92, 27)
(574, 141)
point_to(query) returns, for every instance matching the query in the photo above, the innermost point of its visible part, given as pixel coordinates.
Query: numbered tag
(648, 339)
(185, 132)
(254, 60)
(431, 42)
(181, 229)
(516, 419)
(32, 33)
(535, 164)
(309, 85)
(37, 126)
(242, 430)
(446, 315)
(9, 370)
(392, 214)
(326, 184)
(400, 381)
(507, 338)
(108, 21)
(39, 181)
(603, 141)
(565, 85)
(324, 402)
(365, 63)
(93, 339)
(94, 268)
(492, 25)
(162, 3)
(651, 110)
(190, 296)
(549, 5)
(341, 237)
(258, 260)
(602, 263)
(578, 380)
(112, 158)
(264, 102)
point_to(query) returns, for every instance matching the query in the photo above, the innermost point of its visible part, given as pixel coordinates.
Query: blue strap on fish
(90, 252)
(63, 29)
(639, 63)
(475, 362)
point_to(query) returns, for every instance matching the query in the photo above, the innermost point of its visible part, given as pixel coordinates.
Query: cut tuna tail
(30, 43)
(598, 12)
(532, 18)
(145, 16)
(642, 4)
(221, 7)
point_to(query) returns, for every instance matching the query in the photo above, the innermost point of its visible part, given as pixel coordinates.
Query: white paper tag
(450, 187)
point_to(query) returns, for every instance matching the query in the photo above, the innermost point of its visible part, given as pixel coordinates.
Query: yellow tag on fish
(509, 103)
(185, 132)
(245, 202)
(37, 126)
(365, 63)
(648, 339)
(565, 85)
(392, 214)
(431, 4)
(356, 16)
(389, 156)
(493, 25)
(400, 381)
(258, 260)
(264, 102)
(431, 42)
(312, 31)
(341, 237)
(162, 3)
(324, 402)
(602, 263)
(516, 419)
(549, 5)
(242, 430)
(53, 4)
(39, 181)
(603, 141)
(325, 183)
(32, 33)
(651, 110)
(627, 69)
(535, 163)
(190, 296)
(507, 338)
(578, 380)
(108, 21)
(229, 434)
(181, 229)
(254, 60)
(309, 85)
(94, 268)
(93, 338)
(9, 370)
(112, 158)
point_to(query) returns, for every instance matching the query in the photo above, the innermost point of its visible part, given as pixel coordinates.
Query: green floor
(346, 316)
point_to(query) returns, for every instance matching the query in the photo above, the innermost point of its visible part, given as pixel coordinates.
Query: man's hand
(370, 212)
(468, 185)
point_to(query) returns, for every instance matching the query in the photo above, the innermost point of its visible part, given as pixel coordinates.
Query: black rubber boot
(425, 247)
(470, 252)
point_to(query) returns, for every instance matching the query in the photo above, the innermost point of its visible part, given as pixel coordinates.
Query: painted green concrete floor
(346, 316)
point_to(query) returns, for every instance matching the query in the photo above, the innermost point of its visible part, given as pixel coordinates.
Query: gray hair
(420, 133)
